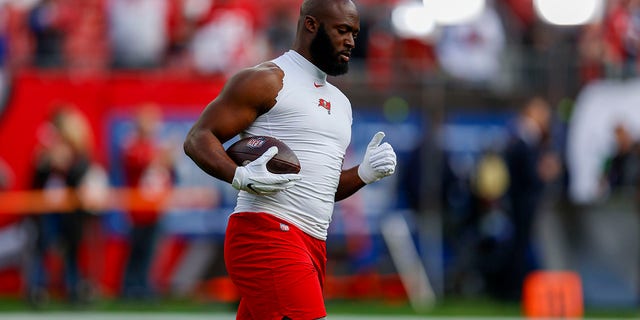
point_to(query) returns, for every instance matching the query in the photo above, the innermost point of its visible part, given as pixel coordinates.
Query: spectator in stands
(521, 20)
(622, 36)
(182, 23)
(592, 53)
(48, 22)
(138, 32)
(228, 39)
(632, 39)
(280, 32)
(615, 24)
(148, 169)
(375, 46)
(62, 166)
(87, 46)
(611, 47)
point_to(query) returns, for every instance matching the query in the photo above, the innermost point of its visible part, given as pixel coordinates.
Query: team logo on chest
(325, 104)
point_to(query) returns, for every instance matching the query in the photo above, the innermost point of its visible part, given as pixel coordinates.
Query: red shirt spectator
(146, 166)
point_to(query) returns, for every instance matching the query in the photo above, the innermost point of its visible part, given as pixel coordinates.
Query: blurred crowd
(509, 206)
(208, 36)
(70, 187)
(220, 36)
(611, 48)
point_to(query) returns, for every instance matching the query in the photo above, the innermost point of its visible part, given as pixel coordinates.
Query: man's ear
(311, 24)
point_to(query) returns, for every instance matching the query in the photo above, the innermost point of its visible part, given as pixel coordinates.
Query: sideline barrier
(66, 200)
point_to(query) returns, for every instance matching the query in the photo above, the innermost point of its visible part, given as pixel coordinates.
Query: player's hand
(379, 160)
(256, 179)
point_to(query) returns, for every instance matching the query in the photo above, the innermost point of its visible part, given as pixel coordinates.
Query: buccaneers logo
(325, 104)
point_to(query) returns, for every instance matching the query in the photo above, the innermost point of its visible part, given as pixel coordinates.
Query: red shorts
(278, 269)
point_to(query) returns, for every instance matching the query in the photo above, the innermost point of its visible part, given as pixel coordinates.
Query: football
(248, 149)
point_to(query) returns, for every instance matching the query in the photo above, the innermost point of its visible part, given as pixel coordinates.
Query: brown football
(248, 149)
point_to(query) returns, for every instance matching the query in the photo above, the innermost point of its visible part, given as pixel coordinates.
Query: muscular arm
(246, 95)
(349, 183)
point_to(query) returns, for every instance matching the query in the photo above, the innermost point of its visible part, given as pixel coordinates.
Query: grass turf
(450, 307)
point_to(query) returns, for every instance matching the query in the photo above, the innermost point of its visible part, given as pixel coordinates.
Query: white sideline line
(211, 316)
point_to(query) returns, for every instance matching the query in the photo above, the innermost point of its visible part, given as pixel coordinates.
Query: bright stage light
(569, 12)
(412, 20)
(451, 12)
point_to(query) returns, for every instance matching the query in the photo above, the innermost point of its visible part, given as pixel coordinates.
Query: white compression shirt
(314, 119)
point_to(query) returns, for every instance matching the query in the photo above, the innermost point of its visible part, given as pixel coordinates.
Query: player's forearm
(208, 153)
(349, 184)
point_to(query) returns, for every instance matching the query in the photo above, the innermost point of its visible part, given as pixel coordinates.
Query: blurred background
(516, 124)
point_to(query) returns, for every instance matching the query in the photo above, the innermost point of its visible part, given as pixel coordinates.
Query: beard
(325, 56)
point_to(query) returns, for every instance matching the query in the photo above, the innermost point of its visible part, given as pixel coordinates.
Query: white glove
(379, 160)
(256, 179)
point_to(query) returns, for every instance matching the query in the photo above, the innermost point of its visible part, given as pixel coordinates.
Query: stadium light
(412, 20)
(451, 12)
(569, 12)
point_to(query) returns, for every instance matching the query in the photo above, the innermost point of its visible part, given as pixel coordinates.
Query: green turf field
(11, 308)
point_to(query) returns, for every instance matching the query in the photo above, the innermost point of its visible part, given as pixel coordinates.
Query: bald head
(323, 10)
(326, 33)
(319, 7)
(311, 7)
